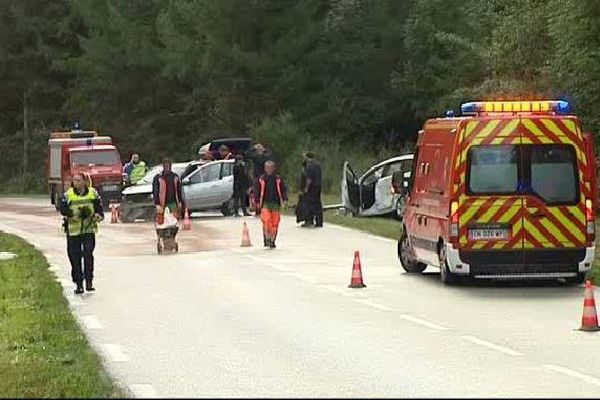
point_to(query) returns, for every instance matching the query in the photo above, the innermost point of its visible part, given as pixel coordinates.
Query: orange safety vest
(162, 189)
(263, 186)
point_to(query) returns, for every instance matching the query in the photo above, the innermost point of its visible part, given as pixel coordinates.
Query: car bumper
(530, 264)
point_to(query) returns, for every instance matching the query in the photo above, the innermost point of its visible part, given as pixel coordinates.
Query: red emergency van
(506, 191)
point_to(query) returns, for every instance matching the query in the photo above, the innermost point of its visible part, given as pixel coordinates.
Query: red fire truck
(75, 151)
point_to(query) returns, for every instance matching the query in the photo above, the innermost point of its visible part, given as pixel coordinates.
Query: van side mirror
(185, 181)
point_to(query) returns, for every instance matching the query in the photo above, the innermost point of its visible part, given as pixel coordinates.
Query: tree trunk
(25, 132)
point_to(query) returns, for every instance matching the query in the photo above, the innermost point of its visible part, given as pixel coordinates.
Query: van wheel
(406, 258)
(447, 277)
(577, 280)
(127, 217)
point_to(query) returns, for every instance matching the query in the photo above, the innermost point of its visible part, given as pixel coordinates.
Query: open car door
(350, 189)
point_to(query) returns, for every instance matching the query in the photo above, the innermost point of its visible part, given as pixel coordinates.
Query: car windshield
(96, 157)
(178, 169)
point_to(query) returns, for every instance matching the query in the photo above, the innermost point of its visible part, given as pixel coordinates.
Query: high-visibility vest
(75, 224)
(263, 187)
(137, 172)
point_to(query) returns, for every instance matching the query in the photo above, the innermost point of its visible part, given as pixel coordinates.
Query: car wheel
(400, 205)
(406, 257)
(227, 208)
(446, 276)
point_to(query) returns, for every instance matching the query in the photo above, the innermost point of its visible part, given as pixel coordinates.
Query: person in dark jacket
(311, 189)
(81, 207)
(166, 191)
(272, 198)
(241, 183)
(258, 156)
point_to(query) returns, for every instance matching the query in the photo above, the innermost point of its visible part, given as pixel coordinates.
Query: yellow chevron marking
(554, 231)
(509, 128)
(466, 217)
(529, 227)
(577, 212)
(491, 211)
(567, 224)
(469, 129)
(527, 244)
(499, 245)
(498, 140)
(491, 125)
(519, 140)
(571, 125)
(479, 245)
(510, 213)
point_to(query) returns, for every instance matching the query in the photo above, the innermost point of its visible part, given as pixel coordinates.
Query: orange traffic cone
(187, 223)
(356, 281)
(245, 237)
(589, 320)
(113, 214)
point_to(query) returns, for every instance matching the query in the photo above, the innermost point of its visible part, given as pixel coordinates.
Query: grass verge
(43, 352)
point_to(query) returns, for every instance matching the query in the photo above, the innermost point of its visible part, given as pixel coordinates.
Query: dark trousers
(314, 206)
(240, 200)
(78, 247)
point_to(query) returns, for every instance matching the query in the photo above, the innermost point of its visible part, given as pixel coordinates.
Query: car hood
(138, 189)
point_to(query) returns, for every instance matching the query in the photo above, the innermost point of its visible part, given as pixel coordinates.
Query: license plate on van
(110, 188)
(488, 234)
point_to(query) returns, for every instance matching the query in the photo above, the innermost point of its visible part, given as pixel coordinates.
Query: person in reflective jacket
(81, 207)
(272, 198)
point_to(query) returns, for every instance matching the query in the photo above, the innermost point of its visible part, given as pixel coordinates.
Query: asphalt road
(220, 320)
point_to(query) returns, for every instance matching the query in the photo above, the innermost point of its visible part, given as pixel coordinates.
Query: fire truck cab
(506, 191)
(72, 152)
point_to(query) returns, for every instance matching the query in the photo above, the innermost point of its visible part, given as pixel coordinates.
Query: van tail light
(590, 223)
(454, 222)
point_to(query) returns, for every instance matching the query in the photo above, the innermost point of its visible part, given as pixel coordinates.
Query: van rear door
(554, 163)
(490, 205)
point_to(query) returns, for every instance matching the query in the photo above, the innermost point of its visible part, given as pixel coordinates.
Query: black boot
(79, 288)
(89, 286)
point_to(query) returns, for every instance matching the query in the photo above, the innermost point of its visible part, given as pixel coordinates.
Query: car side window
(227, 169)
(374, 176)
(208, 173)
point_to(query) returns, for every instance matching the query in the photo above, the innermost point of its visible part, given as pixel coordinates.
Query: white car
(373, 193)
(210, 187)
(205, 186)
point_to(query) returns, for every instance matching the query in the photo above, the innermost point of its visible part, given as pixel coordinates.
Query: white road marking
(92, 322)
(419, 321)
(373, 304)
(299, 276)
(574, 374)
(144, 391)
(115, 353)
(492, 346)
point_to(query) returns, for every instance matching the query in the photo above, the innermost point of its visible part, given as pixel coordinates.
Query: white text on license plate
(110, 188)
(487, 234)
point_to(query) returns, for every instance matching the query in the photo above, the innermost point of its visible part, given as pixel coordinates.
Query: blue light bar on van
(542, 106)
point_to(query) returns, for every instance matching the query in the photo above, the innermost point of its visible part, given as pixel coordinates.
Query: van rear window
(104, 157)
(493, 169)
(554, 173)
(547, 171)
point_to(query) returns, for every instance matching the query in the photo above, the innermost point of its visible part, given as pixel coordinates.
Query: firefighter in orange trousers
(272, 198)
